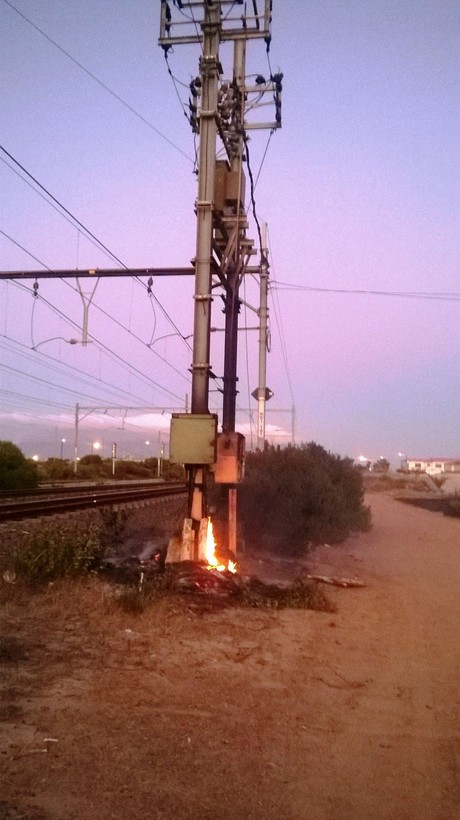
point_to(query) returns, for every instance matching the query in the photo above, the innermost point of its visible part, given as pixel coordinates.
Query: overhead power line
(107, 350)
(97, 80)
(92, 235)
(290, 286)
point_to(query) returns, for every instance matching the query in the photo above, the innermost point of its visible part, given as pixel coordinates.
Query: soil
(187, 712)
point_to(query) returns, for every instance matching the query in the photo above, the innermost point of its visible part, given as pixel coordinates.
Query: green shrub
(296, 495)
(16, 473)
(58, 550)
(53, 469)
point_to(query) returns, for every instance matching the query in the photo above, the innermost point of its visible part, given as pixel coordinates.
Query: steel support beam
(93, 273)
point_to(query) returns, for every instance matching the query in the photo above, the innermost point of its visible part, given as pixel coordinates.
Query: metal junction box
(193, 438)
(229, 467)
(226, 187)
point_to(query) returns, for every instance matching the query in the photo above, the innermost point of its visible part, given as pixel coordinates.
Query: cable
(252, 186)
(55, 208)
(97, 80)
(277, 311)
(81, 225)
(263, 158)
(102, 346)
(50, 195)
(35, 378)
(103, 311)
(82, 376)
(446, 297)
(112, 318)
(46, 402)
(248, 385)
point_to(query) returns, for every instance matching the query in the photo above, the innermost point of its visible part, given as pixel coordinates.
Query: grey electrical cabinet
(193, 438)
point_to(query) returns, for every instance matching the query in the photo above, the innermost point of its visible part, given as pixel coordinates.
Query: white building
(433, 466)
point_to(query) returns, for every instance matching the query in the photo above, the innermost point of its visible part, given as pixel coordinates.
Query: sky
(360, 190)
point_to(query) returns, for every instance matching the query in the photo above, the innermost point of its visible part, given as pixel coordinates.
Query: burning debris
(210, 588)
(212, 582)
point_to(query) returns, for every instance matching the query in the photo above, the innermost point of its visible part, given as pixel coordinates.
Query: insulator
(277, 79)
(149, 285)
(260, 80)
(35, 287)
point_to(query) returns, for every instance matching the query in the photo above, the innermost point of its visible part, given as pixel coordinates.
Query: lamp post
(62, 448)
(96, 445)
(403, 458)
(160, 459)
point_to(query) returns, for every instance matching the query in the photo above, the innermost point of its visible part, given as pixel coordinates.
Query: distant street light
(403, 458)
(62, 448)
(96, 445)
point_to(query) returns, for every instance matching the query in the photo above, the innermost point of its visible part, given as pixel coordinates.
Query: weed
(57, 550)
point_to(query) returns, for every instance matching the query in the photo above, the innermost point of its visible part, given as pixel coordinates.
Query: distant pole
(263, 330)
(75, 441)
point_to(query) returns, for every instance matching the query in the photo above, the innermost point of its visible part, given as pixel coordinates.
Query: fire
(210, 552)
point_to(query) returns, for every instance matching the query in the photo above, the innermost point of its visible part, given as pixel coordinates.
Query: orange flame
(210, 553)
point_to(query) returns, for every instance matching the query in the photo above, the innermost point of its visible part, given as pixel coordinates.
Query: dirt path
(245, 713)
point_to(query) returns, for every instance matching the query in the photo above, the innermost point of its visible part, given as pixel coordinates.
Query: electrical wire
(97, 80)
(35, 399)
(248, 384)
(252, 188)
(98, 307)
(110, 353)
(116, 321)
(35, 378)
(445, 297)
(65, 368)
(94, 242)
(263, 157)
(87, 231)
(279, 324)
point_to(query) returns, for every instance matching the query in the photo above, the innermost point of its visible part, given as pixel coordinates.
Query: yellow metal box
(193, 438)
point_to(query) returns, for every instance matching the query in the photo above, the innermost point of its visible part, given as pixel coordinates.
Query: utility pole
(263, 330)
(209, 77)
(218, 111)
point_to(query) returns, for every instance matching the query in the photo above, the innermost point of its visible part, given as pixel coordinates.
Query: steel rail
(80, 488)
(36, 508)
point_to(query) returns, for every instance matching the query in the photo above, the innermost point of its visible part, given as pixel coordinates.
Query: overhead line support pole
(263, 330)
(209, 72)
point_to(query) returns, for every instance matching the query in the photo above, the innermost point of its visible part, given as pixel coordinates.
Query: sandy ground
(244, 713)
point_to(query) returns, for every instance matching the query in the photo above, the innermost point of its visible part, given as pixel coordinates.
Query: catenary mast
(218, 112)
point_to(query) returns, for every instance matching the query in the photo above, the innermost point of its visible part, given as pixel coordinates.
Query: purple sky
(360, 190)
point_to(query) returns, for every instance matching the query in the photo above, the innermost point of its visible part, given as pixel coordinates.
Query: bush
(58, 550)
(53, 469)
(297, 495)
(16, 473)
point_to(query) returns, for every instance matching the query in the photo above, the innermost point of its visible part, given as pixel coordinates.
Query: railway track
(66, 500)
